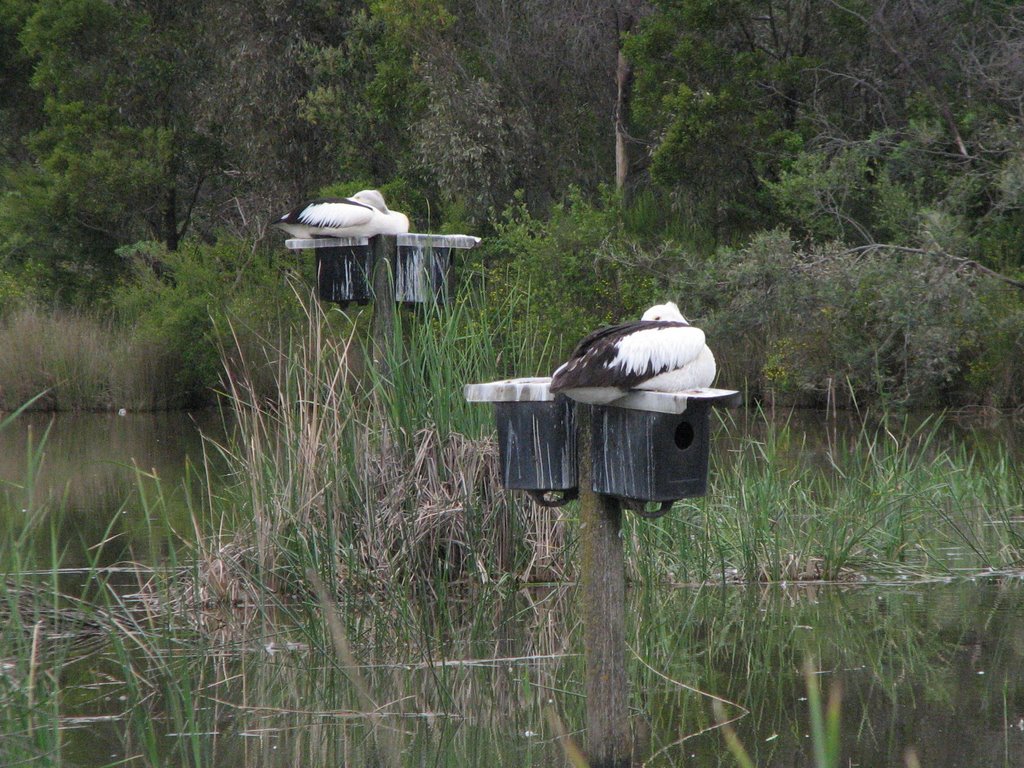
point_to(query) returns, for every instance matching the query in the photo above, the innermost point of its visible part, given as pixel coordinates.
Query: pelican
(661, 352)
(362, 215)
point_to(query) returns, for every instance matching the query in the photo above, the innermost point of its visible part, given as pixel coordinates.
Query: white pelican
(660, 352)
(362, 215)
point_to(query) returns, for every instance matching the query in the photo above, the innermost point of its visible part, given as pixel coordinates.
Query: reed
(891, 499)
(375, 481)
(43, 629)
(371, 480)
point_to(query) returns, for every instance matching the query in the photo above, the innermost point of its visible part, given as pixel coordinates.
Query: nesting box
(654, 446)
(423, 270)
(536, 437)
(651, 456)
(344, 272)
(645, 446)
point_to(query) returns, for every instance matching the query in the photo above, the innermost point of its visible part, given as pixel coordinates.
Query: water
(92, 468)
(931, 667)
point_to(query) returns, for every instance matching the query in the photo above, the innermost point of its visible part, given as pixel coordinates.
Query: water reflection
(87, 468)
(933, 668)
(816, 431)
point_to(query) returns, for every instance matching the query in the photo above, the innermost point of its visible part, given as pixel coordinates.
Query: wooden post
(383, 252)
(603, 580)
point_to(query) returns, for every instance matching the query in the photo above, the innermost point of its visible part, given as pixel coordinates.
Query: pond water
(93, 466)
(931, 669)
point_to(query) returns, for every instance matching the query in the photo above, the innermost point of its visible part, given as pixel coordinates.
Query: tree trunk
(624, 20)
(623, 91)
(170, 225)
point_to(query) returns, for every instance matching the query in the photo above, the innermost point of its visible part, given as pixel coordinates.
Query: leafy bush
(995, 367)
(911, 327)
(901, 326)
(903, 188)
(12, 292)
(579, 267)
(193, 301)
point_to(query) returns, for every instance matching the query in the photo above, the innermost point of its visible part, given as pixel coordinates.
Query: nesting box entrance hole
(684, 435)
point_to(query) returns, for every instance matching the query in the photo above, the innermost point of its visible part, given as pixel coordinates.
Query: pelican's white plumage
(362, 215)
(661, 352)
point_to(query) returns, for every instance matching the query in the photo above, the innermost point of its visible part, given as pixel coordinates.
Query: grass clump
(372, 481)
(79, 362)
(154, 343)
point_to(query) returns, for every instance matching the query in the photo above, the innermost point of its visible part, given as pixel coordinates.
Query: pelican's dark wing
(626, 355)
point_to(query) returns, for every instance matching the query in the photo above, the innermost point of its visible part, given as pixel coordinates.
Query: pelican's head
(372, 198)
(667, 311)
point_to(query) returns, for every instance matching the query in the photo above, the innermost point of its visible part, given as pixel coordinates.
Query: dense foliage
(881, 145)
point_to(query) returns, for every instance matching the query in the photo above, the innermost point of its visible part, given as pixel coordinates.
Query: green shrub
(579, 267)
(805, 325)
(995, 367)
(12, 292)
(902, 326)
(199, 299)
(903, 187)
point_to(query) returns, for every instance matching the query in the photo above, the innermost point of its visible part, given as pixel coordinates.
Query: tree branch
(961, 260)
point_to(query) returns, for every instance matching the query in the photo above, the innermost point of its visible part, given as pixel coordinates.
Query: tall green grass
(43, 629)
(377, 480)
(890, 500)
(374, 478)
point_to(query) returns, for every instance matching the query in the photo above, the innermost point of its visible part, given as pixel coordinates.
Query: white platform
(537, 389)
(409, 239)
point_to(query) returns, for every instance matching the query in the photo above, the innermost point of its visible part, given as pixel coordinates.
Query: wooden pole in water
(603, 583)
(383, 257)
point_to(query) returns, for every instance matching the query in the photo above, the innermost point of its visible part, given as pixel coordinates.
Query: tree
(868, 122)
(626, 16)
(719, 90)
(118, 146)
(20, 106)
(476, 99)
(159, 120)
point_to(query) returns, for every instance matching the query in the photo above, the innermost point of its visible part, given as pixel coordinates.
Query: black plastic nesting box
(537, 445)
(645, 446)
(536, 437)
(344, 274)
(423, 270)
(650, 456)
